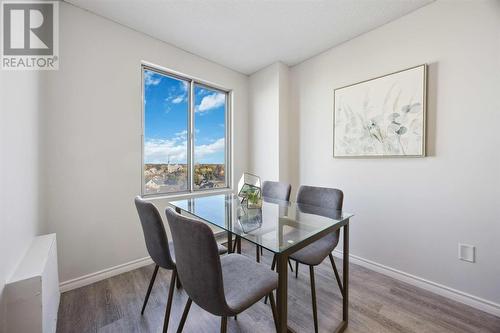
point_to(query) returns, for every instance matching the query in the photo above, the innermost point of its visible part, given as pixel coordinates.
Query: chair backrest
(154, 233)
(325, 197)
(276, 190)
(198, 262)
(330, 199)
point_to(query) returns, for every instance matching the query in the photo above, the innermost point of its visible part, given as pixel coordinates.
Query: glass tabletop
(276, 226)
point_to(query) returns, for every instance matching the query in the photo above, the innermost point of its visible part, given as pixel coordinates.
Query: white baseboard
(85, 280)
(456, 295)
(104, 274)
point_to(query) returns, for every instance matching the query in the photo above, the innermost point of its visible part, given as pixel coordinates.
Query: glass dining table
(279, 226)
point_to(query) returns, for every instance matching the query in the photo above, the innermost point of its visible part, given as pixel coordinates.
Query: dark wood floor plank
(78, 311)
(107, 304)
(378, 304)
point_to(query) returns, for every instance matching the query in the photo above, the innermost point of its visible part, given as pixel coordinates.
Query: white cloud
(211, 101)
(161, 150)
(200, 92)
(175, 149)
(181, 136)
(178, 99)
(178, 95)
(151, 79)
(209, 149)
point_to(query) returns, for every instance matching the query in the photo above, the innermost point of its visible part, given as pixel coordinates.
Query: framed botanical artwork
(382, 117)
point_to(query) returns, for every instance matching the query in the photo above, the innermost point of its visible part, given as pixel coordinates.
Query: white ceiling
(247, 35)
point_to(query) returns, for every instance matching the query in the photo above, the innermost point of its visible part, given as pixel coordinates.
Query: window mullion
(191, 137)
(227, 143)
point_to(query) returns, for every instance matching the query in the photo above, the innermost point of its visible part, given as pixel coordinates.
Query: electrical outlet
(466, 252)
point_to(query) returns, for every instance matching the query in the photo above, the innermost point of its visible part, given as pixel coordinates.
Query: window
(209, 137)
(185, 125)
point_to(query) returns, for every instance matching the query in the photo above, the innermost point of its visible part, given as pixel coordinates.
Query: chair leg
(223, 325)
(169, 301)
(149, 289)
(178, 283)
(234, 244)
(339, 282)
(313, 294)
(296, 269)
(237, 245)
(273, 265)
(184, 315)
(261, 251)
(238, 248)
(273, 309)
(290, 264)
(257, 253)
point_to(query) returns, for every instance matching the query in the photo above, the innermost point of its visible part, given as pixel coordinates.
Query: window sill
(172, 197)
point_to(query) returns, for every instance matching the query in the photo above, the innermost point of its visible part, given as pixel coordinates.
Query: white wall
(412, 212)
(284, 123)
(268, 137)
(19, 169)
(263, 94)
(92, 127)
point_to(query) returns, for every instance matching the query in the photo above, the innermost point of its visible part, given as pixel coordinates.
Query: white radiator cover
(32, 293)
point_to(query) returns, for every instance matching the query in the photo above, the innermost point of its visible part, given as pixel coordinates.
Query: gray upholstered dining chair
(160, 249)
(314, 254)
(223, 286)
(276, 190)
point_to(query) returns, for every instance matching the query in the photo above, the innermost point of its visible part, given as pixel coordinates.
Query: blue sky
(166, 121)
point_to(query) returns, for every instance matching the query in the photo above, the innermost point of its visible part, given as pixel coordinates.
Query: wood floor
(377, 304)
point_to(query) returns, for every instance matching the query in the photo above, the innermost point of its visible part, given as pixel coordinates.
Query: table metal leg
(345, 278)
(238, 245)
(282, 294)
(229, 242)
(345, 273)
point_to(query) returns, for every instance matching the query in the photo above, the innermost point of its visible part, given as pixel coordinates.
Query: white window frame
(190, 137)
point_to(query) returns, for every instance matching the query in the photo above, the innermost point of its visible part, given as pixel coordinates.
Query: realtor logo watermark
(30, 35)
